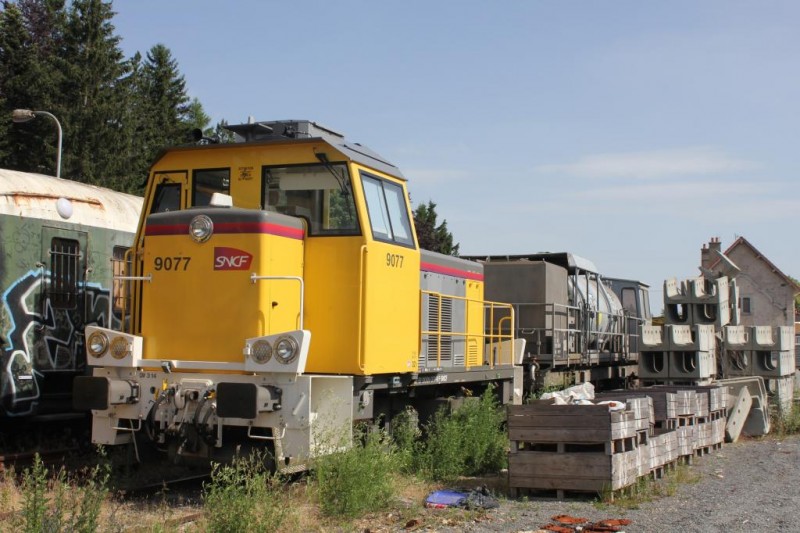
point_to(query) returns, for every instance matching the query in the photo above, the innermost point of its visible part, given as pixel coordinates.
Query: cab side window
(388, 214)
(207, 182)
(167, 198)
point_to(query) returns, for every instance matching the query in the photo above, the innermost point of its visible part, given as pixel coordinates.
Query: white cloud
(705, 192)
(651, 165)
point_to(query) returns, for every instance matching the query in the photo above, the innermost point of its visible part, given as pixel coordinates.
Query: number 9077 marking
(394, 260)
(175, 264)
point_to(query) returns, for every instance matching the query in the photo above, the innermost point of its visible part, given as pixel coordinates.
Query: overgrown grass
(358, 480)
(52, 501)
(345, 485)
(784, 424)
(468, 441)
(245, 496)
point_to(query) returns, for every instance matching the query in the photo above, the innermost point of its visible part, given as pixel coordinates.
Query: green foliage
(196, 118)
(357, 480)
(468, 441)
(59, 504)
(797, 296)
(406, 434)
(786, 423)
(116, 113)
(245, 496)
(430, 236)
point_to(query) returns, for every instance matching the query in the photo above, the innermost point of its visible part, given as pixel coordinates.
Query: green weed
(357, 480)
(468, 441)
(245, 496)
(784, 424)
(60, 503)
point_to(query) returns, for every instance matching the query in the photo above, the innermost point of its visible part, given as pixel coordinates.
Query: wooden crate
(542, 422)
(584, 448)
(589, 472)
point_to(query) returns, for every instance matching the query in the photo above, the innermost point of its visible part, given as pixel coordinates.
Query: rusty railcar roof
(31, 195)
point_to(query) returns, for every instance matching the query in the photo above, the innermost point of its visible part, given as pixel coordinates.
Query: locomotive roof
(571, 262)
(300, 131)
(26, 194)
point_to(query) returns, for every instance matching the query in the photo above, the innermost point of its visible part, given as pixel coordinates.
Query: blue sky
(626, 132)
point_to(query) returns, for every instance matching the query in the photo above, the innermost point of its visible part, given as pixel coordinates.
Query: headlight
(98, 344)
(261, 352)
(286, 350)
(119, 348)
(201, 228)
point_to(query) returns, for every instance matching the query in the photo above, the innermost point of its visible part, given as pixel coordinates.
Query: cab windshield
(320, 194)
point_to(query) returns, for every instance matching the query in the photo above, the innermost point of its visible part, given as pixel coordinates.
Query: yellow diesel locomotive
(277, 296)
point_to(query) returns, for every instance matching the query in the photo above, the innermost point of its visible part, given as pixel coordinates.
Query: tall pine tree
(116, 114)
(31, 37)
(165, 89)
(94, 67)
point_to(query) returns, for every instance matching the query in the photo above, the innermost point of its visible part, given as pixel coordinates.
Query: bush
(406, 436)
(358, 480)
(786, 423)
(468, 441)
(245, 496)
(60, 504)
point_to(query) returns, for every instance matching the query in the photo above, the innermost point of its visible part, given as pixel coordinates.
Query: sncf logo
(231, 259)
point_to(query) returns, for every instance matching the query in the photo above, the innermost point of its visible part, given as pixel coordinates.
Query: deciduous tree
(430, 235)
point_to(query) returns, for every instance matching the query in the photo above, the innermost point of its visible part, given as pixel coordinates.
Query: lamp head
(22, 115)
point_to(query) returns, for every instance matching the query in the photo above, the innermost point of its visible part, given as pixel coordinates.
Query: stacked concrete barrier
(764, 351)
(697, 301)
(678, 354)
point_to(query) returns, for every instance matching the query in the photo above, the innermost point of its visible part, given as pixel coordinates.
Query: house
(766, 295)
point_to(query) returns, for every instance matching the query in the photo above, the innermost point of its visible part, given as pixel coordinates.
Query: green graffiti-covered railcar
(58, 240)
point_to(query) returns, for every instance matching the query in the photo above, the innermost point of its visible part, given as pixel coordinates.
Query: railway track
(19, 460)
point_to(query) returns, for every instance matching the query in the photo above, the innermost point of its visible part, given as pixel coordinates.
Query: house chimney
(707, 253)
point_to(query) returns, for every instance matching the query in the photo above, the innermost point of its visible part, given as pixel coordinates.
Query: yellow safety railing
(497, 319)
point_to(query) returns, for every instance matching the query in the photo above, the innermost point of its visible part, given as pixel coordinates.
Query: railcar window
(65, 273)
(629, 300)
(645, 298)
(167, 198)
(318, 194)
(207, 182)
(388, 214)
(120, 291)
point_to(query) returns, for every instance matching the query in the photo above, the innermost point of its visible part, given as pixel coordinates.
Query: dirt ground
(748, 486)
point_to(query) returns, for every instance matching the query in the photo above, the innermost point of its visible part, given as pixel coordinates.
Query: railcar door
(56, 342)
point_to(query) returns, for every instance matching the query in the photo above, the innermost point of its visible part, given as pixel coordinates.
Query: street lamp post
(24, 115)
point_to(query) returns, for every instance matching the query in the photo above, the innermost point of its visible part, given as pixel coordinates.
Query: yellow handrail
(491, 337)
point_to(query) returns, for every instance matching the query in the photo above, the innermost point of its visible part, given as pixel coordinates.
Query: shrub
(786, 422)
(61, 504)
(406, 435)
(245, 496)
(357, 480)
(468, 441)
